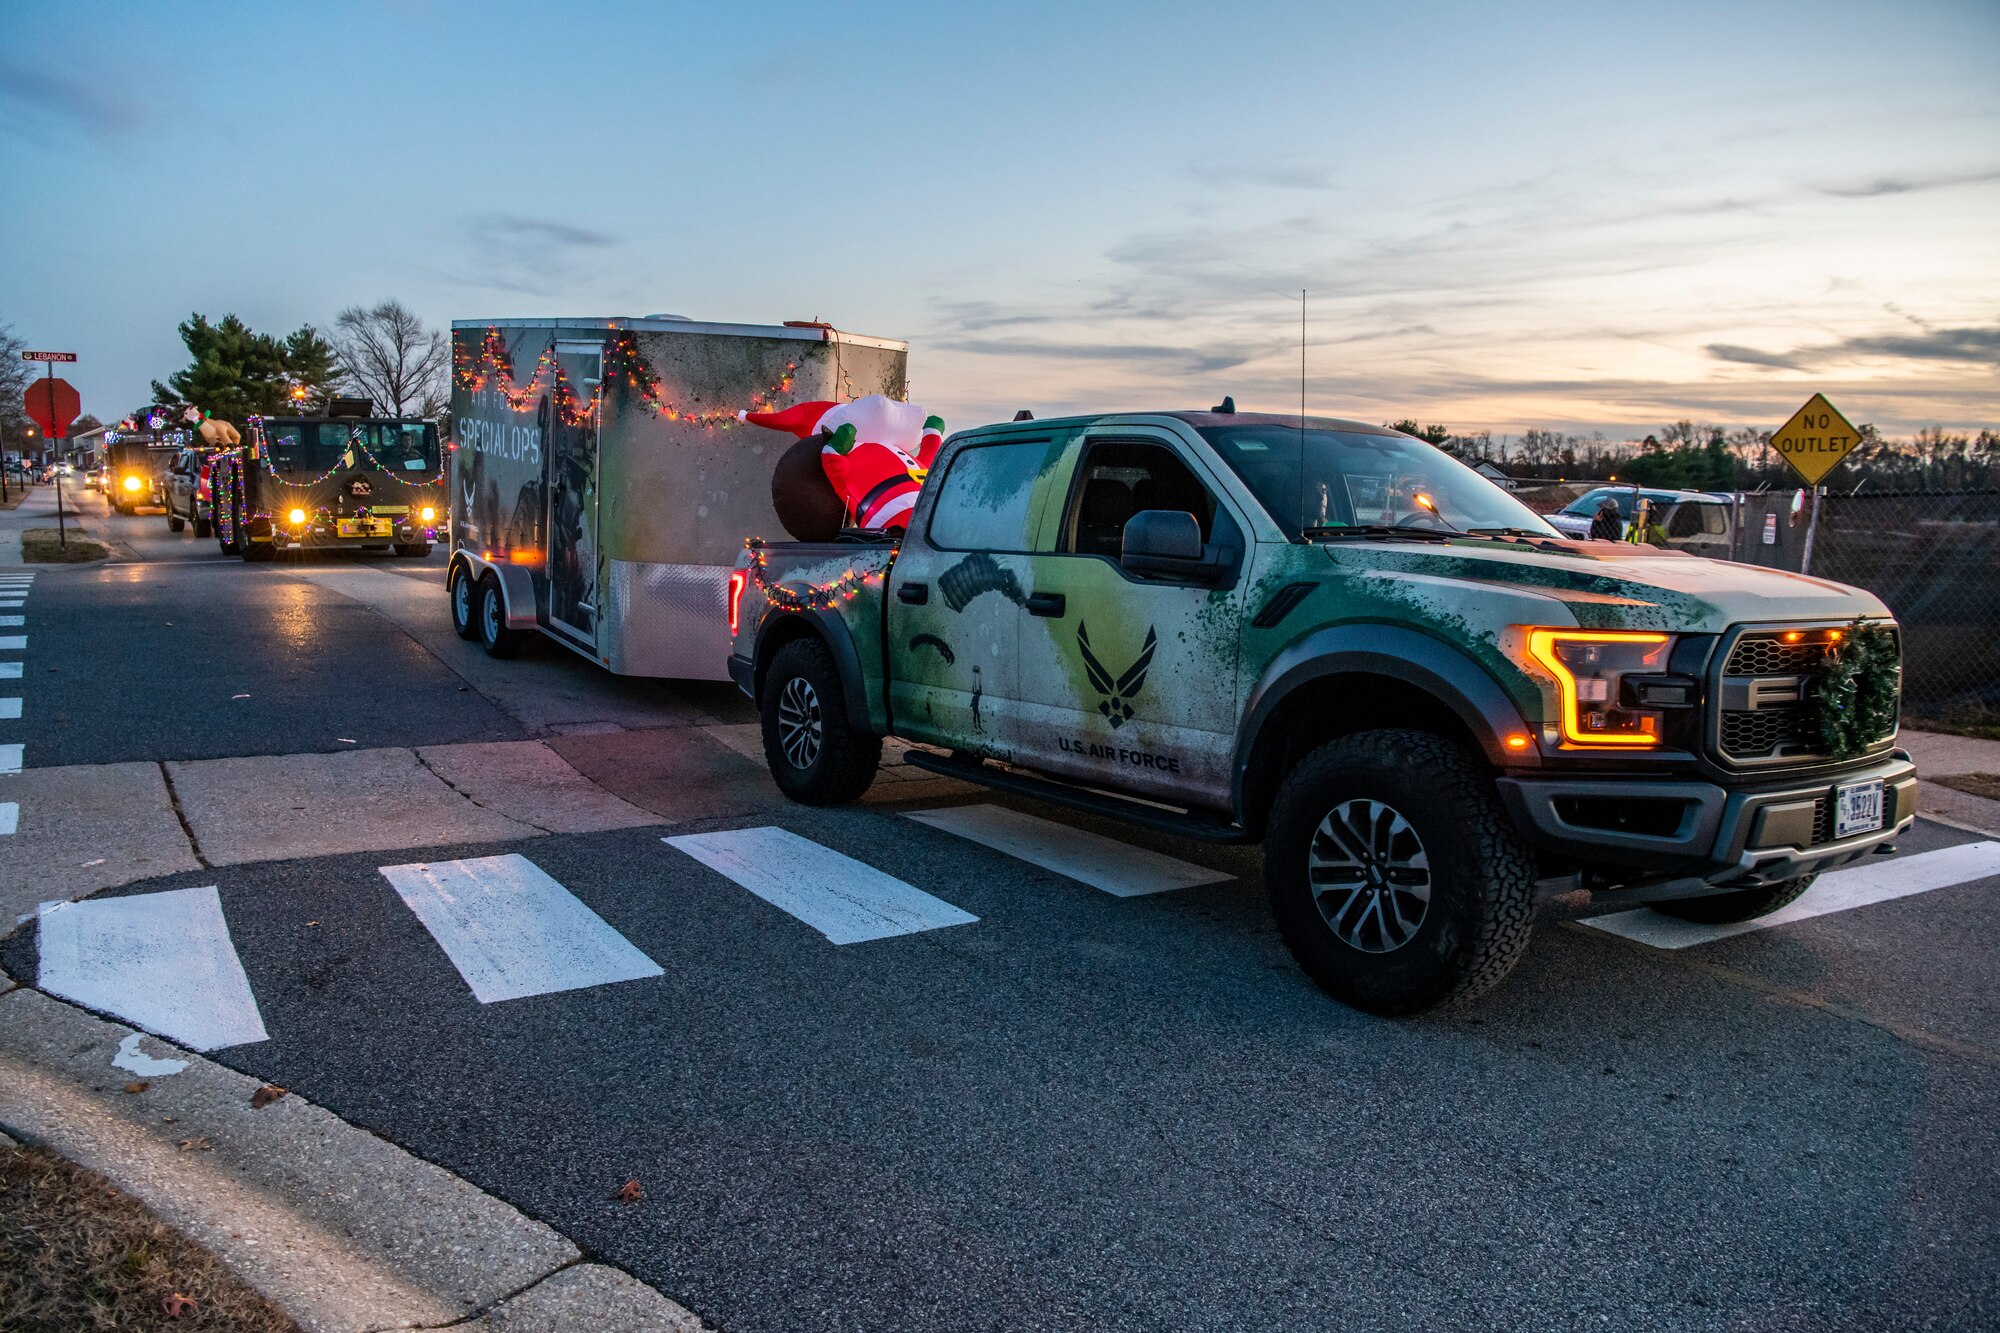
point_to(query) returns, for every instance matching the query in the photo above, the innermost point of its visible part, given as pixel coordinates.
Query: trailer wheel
(814, 755)
(1397, 879)
(493, 632)
(464, 593)
(1718, 909)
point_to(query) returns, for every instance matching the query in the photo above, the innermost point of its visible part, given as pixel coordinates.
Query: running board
(1114, 807)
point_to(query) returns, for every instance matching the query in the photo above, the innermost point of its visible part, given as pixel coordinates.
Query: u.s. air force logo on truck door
(1119, 690)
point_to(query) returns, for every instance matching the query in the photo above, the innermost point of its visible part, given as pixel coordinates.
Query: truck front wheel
(1397, 880)
(1720, 909)
(464, 593)
(815, 756)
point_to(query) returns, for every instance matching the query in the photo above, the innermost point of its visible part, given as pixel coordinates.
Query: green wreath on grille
(1850, 702)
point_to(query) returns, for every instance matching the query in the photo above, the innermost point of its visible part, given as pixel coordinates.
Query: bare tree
(14, 377)
(388, 354)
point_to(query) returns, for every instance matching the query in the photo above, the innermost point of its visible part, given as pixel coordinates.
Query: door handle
(916, 594)
(1045, 604)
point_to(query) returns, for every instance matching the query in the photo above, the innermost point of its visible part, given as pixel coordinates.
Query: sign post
(1813, 443)
(53, 408)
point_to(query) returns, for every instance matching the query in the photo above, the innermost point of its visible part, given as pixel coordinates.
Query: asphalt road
(1078, 1110)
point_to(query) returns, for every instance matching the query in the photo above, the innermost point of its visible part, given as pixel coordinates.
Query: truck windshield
(406, 449)
(1320, 479)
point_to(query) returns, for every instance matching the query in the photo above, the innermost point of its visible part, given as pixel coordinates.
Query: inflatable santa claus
(875, 452)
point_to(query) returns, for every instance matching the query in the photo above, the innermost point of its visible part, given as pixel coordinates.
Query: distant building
(1490, 470)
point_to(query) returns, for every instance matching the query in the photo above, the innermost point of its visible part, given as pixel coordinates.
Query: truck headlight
(297, 516)
(133, 483)
(428, 514)
(1587, 667)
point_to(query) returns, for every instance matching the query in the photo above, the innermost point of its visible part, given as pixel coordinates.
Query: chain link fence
(1932, 556)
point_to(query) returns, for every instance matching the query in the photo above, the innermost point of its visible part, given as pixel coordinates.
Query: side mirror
(1162, 541)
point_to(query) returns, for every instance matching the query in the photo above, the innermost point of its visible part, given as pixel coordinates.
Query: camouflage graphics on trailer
(371, 483)
(603, 485)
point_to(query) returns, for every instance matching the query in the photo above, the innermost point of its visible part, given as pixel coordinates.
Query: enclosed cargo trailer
(602, 485)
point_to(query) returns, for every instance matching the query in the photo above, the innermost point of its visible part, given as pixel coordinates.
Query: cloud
(1201, 360)
(1237, 173)
(1882, 185)
(529, 256)
(1980, 346)
(1750, 356)
(31, 94)
(509, 227)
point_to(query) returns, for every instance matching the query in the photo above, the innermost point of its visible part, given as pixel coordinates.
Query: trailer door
(573, 490)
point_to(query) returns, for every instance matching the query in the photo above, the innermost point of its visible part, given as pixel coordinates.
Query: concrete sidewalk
(1941, 755)
(338, 1227)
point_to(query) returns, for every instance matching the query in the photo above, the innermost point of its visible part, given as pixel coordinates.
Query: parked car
(187, 492)
(1340, 640)
(1697, 522)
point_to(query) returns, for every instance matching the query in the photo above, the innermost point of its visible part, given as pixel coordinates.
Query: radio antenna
(1302, 409)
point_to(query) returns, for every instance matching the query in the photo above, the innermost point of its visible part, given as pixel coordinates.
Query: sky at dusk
(1591, 217)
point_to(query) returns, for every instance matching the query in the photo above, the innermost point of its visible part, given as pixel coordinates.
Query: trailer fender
(780, 629)
(517, 588)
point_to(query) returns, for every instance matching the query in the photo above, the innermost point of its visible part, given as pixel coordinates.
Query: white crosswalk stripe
(512, 931)
(1840, 891)
(10, 817)
(10, 670)
(13, 622)
(10, 758)
(843, 899)
(14, 642)
(1118, 868)
(160, 961)
(10, 708)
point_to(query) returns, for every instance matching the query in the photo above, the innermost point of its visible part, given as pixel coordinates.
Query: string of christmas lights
(493, 366)
(814, 596)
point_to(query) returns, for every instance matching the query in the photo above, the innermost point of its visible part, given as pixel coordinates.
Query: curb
(341, 1229)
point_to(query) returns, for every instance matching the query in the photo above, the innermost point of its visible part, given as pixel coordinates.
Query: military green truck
(1337, 639)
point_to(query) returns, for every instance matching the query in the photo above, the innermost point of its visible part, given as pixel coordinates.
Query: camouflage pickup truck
(1340, 640)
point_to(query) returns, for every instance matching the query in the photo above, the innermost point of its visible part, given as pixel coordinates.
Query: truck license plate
(363, 527)
(1857, 809)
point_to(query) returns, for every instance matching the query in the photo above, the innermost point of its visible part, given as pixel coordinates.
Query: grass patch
(15, 494)
(40, 546)
(1985, 731)
(77, 1256)
(1976, 784)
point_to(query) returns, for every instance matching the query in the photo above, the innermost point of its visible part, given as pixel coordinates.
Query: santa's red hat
(801, 419)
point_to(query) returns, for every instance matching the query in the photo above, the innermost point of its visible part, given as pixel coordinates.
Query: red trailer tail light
(738, 580)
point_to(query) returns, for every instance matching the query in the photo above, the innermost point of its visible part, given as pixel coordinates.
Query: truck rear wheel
(174, 521)
(816, 757)
(1719, 909)
(202, 527)
(1397, 879)
(464, 593)
(493, 632)
(413, 550)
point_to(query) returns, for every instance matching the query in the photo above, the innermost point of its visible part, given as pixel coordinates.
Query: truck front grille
(1763, 680)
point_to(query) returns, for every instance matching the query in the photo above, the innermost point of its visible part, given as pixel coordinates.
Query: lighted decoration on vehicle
(493, 366)
(813, 596)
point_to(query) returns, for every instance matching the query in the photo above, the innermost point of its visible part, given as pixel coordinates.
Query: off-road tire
(203, 528)
(463, 591)
(175, 523)
(498, 640)
(843, 760)
(1476, 924)
(1720, 909)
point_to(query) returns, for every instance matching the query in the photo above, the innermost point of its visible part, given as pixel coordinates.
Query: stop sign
(52, 405)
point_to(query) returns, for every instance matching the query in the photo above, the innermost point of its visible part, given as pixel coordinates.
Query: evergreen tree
(237, 373)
